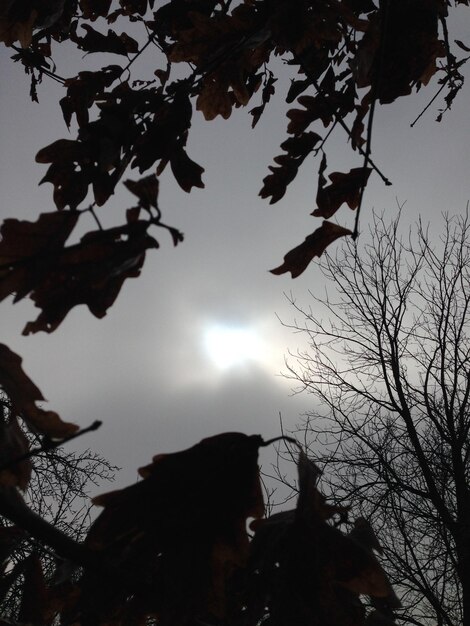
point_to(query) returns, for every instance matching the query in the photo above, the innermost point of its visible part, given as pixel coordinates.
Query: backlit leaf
(185, 524)
(14, 444)
(25, 396)
(297, 259)
(344, 188)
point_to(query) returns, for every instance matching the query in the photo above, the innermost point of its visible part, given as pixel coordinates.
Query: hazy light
(229, 346)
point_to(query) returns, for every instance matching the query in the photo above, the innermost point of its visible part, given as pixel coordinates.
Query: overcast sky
(149, 369)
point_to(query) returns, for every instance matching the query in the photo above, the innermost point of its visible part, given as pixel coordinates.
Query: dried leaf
(297, 149)
(364, 534)
(95, 41)
(400, 51)
(345, 187)
(91, 272)
(191, 511)
(297, 259)
(305, 571)
(28, 248)
(24, 396)
(214, 99)
(186, 171)
(146, 189)
(12, 30)
(14, 444)
(268, 91)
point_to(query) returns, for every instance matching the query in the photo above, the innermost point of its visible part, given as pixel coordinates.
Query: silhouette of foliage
(207, 57)
(388, 369)
(55, 485)
(175, 548)
(345, 56)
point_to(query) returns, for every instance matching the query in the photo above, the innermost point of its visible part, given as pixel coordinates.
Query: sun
(230, 346)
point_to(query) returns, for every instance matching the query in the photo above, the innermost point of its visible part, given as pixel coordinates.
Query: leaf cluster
(345, 57)
(175, 548)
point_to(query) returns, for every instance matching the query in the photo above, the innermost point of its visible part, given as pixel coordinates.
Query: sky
(195, 345)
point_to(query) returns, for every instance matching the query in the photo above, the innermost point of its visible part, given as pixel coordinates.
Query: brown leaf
(95, 41)
(400, 51)
(214, 99)
(311, 502)
(186, 171)
(297, 259)
(353, 565)
(344, 188)
(305, 571)
(191, 510)
(91, 272)
(364, 534)
(84, 89)
(359, 571)
(166, 133)
(316, 108)
(14, 444)
(92, 9)
(12, 30)
(146, 189)
(268, 91)
(297, 149)
(24, 396)
(28, 248)
(35, 261)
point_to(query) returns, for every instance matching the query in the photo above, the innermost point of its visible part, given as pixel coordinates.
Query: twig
(446, 80)
(282, 438)
(370, 122)
(92, 211)
(338, 118)
(374, 91)
(49, 444)
(14, 508)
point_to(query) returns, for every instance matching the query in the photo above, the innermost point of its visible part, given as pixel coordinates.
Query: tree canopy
(175, 548)
(388, 370)
(206, 56)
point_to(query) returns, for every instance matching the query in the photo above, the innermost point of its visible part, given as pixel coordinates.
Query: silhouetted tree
(57, 486)
(174, 547)
(388, 368)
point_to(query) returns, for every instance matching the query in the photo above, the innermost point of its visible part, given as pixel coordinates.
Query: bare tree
(57, 491)
(389, 370)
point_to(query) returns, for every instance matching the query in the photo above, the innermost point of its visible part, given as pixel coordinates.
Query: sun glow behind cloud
(229, 346)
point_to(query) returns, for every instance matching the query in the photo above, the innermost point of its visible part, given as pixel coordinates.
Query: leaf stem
(49, 444)
(339, 119)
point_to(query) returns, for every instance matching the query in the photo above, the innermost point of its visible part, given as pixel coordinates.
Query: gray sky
(145, 369)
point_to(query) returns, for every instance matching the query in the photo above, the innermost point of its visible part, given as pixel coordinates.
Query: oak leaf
(24, 396)
(17, 28)
(94, 41)
(303, 570)
(13, 445)
(297, 149)
(184, 525)
(214, 99)
(186, 172)
(297, 259)
(344, 188)
(91, 272)
(146, 190)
